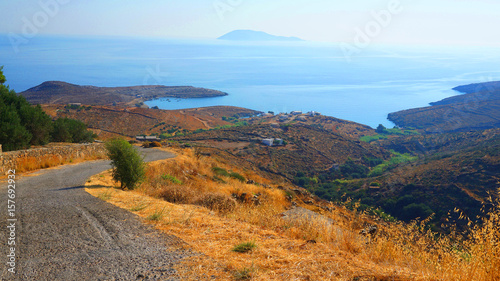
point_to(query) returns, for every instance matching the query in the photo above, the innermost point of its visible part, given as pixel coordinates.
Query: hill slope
(309, 148)
(56, 92)
(110, 121)
(477, 109)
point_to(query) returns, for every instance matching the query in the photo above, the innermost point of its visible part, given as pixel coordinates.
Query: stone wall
(10, 160)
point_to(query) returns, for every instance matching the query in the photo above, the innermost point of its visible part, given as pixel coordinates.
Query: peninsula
(56, 92)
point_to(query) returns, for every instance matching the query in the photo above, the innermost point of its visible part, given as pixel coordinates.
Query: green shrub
(220, 172)
(171, 178)
(217, 179)
(244, 247)
(237, 176)
(414, 211)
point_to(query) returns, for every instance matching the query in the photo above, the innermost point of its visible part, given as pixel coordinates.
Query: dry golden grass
(303, 249)
(28, 164)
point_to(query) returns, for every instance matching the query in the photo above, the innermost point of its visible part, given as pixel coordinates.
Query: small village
(286, 118)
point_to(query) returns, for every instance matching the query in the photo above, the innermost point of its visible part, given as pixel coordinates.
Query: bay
(278, 77)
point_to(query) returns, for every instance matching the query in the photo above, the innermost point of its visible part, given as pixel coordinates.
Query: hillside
(308, 148)
(433, 173)
(251, 35)
(248, 227)
(109, 121)
(56, 92)
(477, 109)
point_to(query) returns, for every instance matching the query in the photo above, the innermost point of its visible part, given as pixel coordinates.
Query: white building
(313, 113)
(147, 138)
(284, 117)
(268, 142)
(296, 112)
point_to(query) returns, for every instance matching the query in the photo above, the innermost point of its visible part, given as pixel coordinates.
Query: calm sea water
(262, 76)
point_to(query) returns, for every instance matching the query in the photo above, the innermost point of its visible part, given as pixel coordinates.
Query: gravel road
(63, 233)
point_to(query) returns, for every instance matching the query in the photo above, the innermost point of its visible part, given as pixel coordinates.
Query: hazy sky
(450, 22)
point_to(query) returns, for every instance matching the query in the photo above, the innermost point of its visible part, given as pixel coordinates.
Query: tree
(381, 129)
(13, 135)
(37, 122)
(22, 124)
(128, 165)
(60, 131)
(2, 77)
(414, 211)
(70, 130)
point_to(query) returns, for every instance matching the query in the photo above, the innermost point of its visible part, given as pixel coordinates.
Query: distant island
(57, 92)
(251, 35)
(477, 108)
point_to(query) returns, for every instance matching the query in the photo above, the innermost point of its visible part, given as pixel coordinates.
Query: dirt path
(63, 233)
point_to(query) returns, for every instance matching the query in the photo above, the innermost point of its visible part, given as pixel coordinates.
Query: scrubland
(237, 226)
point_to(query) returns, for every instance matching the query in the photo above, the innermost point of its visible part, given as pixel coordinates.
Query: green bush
(128, 165)
(220, 172)
(237, 176)
(414, 211)
(172, 179)
(244, 247)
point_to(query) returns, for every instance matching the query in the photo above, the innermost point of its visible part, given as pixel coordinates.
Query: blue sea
(279, 77)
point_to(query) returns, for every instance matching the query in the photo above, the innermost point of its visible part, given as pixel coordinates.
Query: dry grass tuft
(175, 194)
(217, 202)
(28, 164)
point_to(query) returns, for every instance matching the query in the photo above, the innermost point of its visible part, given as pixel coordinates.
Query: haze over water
(278, 77)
